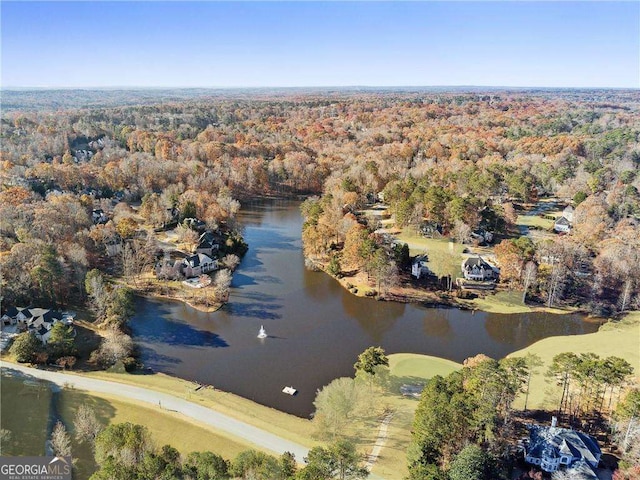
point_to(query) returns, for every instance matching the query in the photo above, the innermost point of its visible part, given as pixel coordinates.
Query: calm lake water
(316, 329)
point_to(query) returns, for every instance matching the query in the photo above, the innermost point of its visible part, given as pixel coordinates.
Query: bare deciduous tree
(528, 277)
(60, 440)
(86, 424)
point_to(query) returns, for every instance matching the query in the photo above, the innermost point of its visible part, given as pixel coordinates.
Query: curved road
(202, 414)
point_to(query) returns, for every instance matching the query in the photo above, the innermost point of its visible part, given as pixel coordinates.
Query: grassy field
(509, 302)
(165, 427)
(535, 221)
(445, 257)
(24, 412)
(405, 368)
(287, 426)
(621, 339)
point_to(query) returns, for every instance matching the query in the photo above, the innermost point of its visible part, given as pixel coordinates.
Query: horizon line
(316, 87)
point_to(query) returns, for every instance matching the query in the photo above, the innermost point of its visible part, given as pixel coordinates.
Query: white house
(476, 268)
(562, 225)
(197, 264)
(553, 447)
(419, 267)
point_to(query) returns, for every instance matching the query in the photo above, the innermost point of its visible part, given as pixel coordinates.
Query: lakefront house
(476, 268)
(552, 448)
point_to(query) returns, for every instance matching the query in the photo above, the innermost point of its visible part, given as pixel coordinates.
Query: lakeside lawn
(269, 419)
(164, 426)
(615, 338)
(509, 302)
(405, 368)
(535, 221)
(445, 257)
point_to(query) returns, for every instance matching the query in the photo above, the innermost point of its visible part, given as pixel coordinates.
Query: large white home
(197, 264)
(38, 321)
(419, 266)
(476, 268)
(562, 225)
(553, 447)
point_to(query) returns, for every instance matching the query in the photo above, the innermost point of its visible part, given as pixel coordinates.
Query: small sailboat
(262, 333)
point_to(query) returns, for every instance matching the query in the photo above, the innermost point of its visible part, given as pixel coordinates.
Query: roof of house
(11, 312)
(553, 442)
(476, 261)
(197, 259)
(563, 221)
(421, 258)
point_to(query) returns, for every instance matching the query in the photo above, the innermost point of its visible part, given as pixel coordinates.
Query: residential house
(38, 321)
(197, 264)
(482, 236)
(476, 268)
(553, 447)
(10, 316)
(419, 267)
(431, 229)
(208, 244)
(562, 225)
(195, 224)
(98, 216)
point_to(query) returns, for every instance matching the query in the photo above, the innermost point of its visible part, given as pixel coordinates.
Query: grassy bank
(165, 427)
(405, 368)
(620, 339)
(509, 302)
(284, 425)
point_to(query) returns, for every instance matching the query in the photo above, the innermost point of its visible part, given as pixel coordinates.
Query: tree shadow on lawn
(69, 401)
(395, 382)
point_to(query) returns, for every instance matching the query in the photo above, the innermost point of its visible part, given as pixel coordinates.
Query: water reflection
(316, 329)
(436, 324)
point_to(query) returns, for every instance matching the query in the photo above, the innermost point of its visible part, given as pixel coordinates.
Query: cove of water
(316, 328)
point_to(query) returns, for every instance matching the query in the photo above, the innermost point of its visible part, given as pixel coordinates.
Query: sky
(315, 44)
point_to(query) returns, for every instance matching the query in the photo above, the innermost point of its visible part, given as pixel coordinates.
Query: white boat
(262, 333)
(289, 390)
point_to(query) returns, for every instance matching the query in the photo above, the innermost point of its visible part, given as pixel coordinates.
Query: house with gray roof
(552, 448)
(476, 268)
(562, 225)
(197, 264)
(37, 321)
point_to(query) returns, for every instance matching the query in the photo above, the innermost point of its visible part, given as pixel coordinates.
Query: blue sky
(247, 44)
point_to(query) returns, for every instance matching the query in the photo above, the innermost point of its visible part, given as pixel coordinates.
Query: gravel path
(199, 413)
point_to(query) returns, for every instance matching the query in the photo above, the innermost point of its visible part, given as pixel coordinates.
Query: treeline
(457, 161)
(464, 426)
(126, 451)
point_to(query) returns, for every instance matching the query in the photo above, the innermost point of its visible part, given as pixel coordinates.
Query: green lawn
(621, 339)
(405, 368)
(24, 412)
(287, 426)
(165, 427)
(535, 221)
(445, 257)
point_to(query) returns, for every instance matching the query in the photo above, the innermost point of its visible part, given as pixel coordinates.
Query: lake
(316, 329)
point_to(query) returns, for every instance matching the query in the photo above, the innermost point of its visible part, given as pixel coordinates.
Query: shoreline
(441, 298)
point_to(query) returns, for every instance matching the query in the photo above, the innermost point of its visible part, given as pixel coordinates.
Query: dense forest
(460, 160)
(83, 174)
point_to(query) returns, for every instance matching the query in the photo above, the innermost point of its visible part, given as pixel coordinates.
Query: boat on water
(289, 390)
(262, 333)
